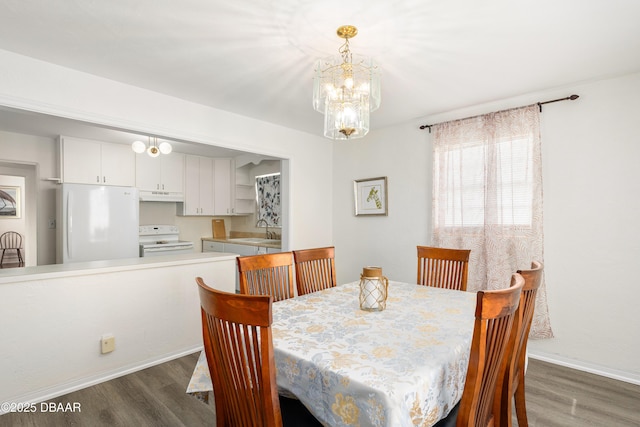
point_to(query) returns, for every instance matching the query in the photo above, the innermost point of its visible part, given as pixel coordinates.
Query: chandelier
(346, 88)
(153, 149)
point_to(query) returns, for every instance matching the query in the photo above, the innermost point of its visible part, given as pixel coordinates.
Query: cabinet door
(208, 246)
(118, 165)
(192, 185)
(206, 186)
(243, 250)
(222, 189)
(148, 172)
(81, 160)
(172, 166)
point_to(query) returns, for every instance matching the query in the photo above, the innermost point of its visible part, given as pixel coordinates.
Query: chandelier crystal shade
(346, 88)
(153, 149)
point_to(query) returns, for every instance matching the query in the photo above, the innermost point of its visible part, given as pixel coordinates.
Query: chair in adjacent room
(267, 274)
(315, 269)
(238, 343)
(511, 385)
(495, 313)
(443, 267)
(11, 241)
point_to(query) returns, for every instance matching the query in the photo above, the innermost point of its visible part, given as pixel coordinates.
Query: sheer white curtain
(487, 197)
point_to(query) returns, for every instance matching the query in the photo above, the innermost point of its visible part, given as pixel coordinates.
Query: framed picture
(370, 196)
(9, 202)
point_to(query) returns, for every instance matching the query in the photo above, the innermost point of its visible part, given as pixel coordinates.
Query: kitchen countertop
(21, 274)
(263, 243)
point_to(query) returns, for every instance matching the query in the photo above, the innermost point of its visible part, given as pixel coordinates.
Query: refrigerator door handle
(69, 225)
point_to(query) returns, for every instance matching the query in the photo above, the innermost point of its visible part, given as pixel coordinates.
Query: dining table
(405, 365)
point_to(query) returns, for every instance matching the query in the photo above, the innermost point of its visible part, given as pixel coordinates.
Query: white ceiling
(256, 57)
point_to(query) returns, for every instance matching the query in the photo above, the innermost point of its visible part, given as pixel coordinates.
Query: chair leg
(2, 258)
(521, 407)
(20, 259)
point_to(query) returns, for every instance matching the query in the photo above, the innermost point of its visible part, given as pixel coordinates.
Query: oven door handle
(168, 248)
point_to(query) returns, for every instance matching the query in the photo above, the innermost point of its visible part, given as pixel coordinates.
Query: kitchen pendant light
(153, 149)
(346, 88)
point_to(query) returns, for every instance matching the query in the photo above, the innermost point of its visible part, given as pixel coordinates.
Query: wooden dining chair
(267, 274)
(11, 241)
(238, 343)
(495, 311)
(511, 384)
(315, 269)
(443, 267)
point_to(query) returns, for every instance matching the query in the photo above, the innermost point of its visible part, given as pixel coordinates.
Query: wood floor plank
(556, 397)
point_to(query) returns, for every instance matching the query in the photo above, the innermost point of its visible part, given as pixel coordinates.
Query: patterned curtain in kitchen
(269, 207)
(487, 197)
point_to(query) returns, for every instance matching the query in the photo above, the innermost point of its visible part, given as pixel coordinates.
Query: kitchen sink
(254, 240)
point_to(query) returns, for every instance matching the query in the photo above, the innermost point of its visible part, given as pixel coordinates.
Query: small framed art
(370, 196)
(9, 202)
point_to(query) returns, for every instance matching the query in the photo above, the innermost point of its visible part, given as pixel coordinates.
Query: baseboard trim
(69, 387)
(625, 376)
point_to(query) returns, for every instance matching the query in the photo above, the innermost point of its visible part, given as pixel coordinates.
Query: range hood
(160, 196)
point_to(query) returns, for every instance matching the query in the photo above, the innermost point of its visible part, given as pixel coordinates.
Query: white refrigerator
(97, 222)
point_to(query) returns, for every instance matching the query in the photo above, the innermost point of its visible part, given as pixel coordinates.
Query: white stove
(156, 240)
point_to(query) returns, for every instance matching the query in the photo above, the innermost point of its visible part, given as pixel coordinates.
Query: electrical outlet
(108, 343)
(52, 223)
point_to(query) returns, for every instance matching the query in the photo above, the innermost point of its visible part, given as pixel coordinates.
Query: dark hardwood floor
(556, 396)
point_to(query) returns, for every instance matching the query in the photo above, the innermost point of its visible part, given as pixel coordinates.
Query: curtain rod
(540, 104)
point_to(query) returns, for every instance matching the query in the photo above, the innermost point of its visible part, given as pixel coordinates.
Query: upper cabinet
(164, 173)
(198, 186)
(222, 190)
(85, 161)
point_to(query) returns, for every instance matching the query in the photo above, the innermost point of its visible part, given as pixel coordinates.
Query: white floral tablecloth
(404, 366)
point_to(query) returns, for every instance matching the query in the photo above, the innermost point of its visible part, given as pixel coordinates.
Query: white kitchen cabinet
(234, 248)
(222, 192)
(244, 250)
(164, 173)
(86, 161)
(198, 186)
(208, 246)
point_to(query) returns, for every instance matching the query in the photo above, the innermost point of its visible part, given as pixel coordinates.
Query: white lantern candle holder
(373, 289)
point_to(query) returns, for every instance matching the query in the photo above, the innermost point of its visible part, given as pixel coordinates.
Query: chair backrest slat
(267, 274)
(443, 267)
(315, 269)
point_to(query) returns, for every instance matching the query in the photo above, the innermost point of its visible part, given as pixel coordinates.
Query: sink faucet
(266, 224)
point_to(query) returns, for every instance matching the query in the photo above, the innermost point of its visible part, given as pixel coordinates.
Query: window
(467, 169)
(268, 199)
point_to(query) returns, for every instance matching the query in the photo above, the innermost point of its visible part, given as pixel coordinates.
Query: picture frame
(10, 202)
(370, 196)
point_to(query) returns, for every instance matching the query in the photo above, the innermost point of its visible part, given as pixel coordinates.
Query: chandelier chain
(345, 52)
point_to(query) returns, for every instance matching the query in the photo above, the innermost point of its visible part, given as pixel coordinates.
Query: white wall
(52, 326)
(401, 154)
(591, 148)
(36, 159)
